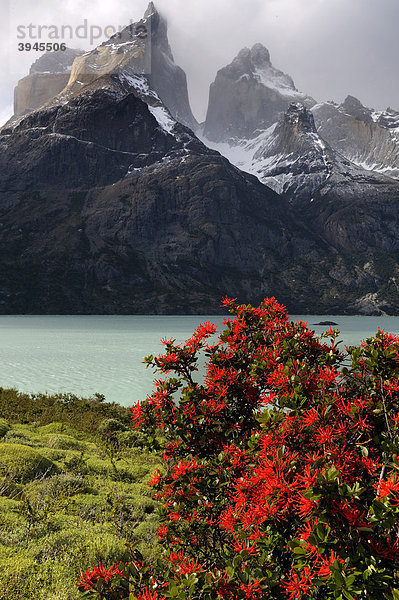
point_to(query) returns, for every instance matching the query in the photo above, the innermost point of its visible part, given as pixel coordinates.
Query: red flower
(137, 415)
(174, 516)
(298, 584)
(183, 467)
(89, 579)
(190, 565)
(155, 479)
(387, 487)
(324, 570)
(162, 531)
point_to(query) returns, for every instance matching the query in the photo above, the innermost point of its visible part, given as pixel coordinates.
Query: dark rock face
(91, 141)
(248, 95)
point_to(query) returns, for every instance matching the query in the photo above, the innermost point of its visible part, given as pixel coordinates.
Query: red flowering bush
(281, 466)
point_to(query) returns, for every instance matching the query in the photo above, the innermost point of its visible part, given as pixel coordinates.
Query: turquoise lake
(88, 354)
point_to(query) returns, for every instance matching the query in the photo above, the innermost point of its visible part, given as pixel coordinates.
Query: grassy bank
(73, 492)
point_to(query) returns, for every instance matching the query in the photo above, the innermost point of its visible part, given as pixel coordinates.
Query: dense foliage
(281, 470)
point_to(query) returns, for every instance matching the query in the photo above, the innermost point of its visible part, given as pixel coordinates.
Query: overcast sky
(331, 48)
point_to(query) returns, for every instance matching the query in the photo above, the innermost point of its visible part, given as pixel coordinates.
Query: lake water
(88, 354)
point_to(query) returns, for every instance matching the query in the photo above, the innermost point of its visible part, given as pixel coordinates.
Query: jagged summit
(133, 52)
(299, 118)
(249, 58)
(295, 160)
(292, 156)
(150, 10)
(255, 62)
(138, 58)
(260, 55)
(249, 95)
(352, 106)
(366, 137)
(152, 21)
(159, 29)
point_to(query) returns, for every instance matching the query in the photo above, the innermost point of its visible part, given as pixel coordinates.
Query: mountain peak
(250, 59)
(351, 102)
(260, 55)
(151, 10)
(159, 29)
(249, 95)
(299, 117)
(352, 106)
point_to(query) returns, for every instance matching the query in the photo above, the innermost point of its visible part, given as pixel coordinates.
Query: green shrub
(83, 414)
(64, 442)
(57, 427)
(4, 427)
(54, 455)
(83, 510)
(131, 439)
(109, 427)
(73, 546)
(21, 463)
(56, 488)
(9, 488)
(20, 579)
(16, 437)
(77, 464)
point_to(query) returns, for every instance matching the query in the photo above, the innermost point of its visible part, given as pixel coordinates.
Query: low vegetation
(73, 492)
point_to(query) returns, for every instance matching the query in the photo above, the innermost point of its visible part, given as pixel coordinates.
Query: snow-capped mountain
(366, 137)
(248, 96)
(293, 159)
(263, 125)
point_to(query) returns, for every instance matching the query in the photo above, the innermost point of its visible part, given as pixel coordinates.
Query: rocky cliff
(247, 96)
(366, 137)
(47, 77)
(294, 159)
(142, 48)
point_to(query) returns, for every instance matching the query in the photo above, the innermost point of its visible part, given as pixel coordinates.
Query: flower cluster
(281, 476)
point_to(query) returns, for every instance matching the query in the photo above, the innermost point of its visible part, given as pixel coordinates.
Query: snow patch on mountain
(165, 121)
(243, 153)
(277, 81)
